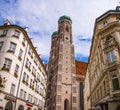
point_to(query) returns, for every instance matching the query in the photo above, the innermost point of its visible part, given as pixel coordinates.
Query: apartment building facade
(22, 72)
(104, 62)
(87, 100)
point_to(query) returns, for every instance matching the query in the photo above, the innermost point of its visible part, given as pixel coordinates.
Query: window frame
(1, 44)
(110, 56)
(12, 89)
(12, 46)
(115, 86)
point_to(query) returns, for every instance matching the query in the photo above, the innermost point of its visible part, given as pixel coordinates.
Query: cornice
(27, 38)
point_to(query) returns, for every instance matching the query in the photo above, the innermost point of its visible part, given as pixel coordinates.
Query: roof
(81, 68)
(64, 17)
(55, 33)
(110, 12)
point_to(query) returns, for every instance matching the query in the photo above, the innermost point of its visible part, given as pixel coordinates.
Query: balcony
(23, 44)
(11, 51)
(16, 74)
(19, 57)
(6, 68)
(3, 35)
(109, 44)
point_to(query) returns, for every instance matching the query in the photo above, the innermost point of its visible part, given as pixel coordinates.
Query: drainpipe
(20, 76)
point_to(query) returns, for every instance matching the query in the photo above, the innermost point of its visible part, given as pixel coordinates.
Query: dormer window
(105, 23)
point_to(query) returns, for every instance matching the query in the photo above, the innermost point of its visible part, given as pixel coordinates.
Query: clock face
(66, 37)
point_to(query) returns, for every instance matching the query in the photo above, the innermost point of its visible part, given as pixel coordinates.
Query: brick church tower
(61, 89)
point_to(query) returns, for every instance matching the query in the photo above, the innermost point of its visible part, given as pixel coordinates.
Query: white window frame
(20, 53)
(12, 89)
(12, 46)
(5, 32)
(16, 68)
(17, 33)
(1, 44)
(111, 56)
(7, 63)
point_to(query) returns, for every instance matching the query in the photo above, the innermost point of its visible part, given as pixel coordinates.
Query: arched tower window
(115, 82)
(67, 28)
(66, 105)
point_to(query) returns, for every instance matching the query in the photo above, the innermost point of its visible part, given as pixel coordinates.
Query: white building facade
(22, 72)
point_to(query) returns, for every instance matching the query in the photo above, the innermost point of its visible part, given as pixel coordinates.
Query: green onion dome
(64, 17)
(55, 33)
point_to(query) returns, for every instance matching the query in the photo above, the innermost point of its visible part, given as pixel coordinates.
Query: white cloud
(41, 17)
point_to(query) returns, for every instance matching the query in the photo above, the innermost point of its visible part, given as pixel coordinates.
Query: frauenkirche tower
(61, 93)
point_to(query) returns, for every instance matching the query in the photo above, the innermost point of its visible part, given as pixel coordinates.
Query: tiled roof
(81, 68)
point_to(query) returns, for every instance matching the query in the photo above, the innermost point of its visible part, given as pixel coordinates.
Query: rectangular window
(21, 93)
(24, 77)
(29, 97)
(110, 56)
(12, 90)
(12, 47)
(7, 63)
(4, 32)
(27, 78)
(23, 42)
(24, 96)
(1, 44)
(16, 68)
(20, 53)
(17, 33)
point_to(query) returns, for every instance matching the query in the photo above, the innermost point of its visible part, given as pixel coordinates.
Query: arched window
(28, 108)
(9, 106)
(66, 105)
(21, 107)
(109, 39)
(67, 28)
(115, 82)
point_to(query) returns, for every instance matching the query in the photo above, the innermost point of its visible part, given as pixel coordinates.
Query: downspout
(20, 76)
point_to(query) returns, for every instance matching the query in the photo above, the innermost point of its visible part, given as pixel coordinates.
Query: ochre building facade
(104, 62)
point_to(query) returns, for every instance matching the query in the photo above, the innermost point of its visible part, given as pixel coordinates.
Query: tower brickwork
(61, 68)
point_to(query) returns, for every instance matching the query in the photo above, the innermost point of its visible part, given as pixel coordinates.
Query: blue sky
(41, 17)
